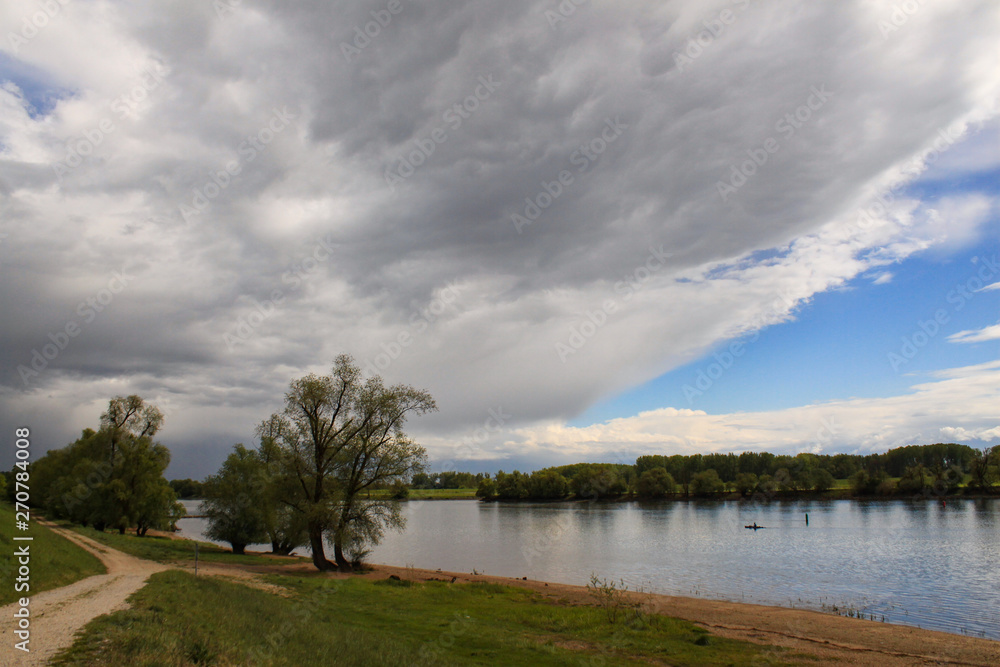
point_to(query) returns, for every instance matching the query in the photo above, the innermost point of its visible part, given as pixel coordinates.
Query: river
(910, 562)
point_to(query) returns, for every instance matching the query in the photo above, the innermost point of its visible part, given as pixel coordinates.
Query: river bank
(802, 636)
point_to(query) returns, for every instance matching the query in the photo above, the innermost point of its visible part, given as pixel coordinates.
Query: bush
(821, 480)
(746, 483)
(655, 483)
(597, 481)
(547, 485)
(864, 483)
(487, 489)
(707, 483)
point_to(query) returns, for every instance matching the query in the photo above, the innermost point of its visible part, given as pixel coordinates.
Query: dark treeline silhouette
(186, 489)
(446, 480)
(937, 469)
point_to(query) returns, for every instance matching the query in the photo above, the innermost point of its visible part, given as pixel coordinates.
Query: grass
(178, 619)
(55, 561)
(166, 550)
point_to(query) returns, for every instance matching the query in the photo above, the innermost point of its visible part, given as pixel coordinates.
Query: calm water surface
(915, 563)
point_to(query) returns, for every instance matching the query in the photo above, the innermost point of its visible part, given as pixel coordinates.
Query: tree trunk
(318, 554)
(121, 530)
(343, 564)
(238, 549)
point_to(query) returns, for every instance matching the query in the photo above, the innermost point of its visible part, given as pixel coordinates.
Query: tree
(707, 483)
(487, 489)
(284, 520)
(231, 502)
(513, 486)
(655, 483)
(111, 477)
(746, 483)
(137, 494)
(914, 480)
(984, 468)
(340, 436)
(596, 481)
(547, 485)
(821, 480)
(130, 417)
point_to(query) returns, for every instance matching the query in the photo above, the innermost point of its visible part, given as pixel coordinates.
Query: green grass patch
(55, 561)
(166, 550)
(178, 619)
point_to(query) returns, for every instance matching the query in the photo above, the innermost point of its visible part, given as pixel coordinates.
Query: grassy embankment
(55, 561)
(166, 550)
(179, 619)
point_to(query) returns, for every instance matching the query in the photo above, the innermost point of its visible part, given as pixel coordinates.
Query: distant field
(178, 619)
(433, 494)
(55, 561)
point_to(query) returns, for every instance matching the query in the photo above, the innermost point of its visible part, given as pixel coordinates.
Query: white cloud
(959, 405)
(976, 335)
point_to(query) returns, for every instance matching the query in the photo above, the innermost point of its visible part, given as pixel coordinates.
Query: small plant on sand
(615, 600)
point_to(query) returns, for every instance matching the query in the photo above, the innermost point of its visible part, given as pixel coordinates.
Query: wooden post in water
(807, 518)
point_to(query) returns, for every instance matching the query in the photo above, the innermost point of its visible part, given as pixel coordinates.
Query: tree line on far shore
(928, 470)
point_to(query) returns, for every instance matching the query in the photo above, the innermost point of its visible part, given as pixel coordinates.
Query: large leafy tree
(284, 521)
(129, 418)
(341, 435)
(232, 500)
(111, 477)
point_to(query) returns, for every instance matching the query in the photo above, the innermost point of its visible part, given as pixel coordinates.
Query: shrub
(655, 483)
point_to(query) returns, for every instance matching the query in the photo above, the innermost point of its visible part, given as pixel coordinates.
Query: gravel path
(57, 615)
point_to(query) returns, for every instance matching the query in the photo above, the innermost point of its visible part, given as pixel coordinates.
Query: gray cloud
(391, 252)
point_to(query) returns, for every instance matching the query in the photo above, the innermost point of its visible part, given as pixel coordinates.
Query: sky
(591, 230)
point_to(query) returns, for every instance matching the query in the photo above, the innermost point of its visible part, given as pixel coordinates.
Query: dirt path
(57, 615)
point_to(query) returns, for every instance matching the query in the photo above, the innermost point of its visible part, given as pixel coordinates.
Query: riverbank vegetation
(55, 561)
(112, 477)
(309, 481)
(181, 619)
(937, 470)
